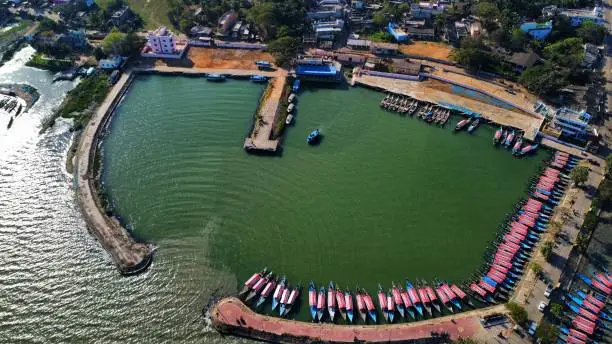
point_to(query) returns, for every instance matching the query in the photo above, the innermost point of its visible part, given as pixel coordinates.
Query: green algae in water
(381, 199)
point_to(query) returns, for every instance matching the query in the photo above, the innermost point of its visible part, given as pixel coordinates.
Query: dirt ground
(430, 49)
(226, 58)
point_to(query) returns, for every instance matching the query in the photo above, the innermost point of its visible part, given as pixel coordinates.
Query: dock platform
(231, 316)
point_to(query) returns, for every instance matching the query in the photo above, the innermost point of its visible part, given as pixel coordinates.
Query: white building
(578, 16)
(162, 41)
(572, 123)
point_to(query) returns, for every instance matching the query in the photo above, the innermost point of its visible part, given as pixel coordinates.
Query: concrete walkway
(232, 316)
(129, 256)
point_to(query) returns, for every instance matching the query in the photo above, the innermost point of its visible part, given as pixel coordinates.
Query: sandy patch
(226, 58)
(431, 49)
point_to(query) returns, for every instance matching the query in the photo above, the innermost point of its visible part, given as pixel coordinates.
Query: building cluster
(230, 28)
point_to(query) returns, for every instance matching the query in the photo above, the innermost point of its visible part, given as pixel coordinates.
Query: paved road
(608, 54)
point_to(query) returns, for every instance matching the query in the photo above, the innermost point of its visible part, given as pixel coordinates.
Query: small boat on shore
(348, 303)
(369, 306)
(289, 119)
(382, 302)
(258, 78)
(295, 293)
(473, 125)
(313, 137)
(498, 135)
(215, 77)
(390, 307)
(331, 301)
(321, 303)
(266, 292)
(248, 284)
(283, 300)
(340, 303)
(312, 300)
(278, 292)
(361, 306)
(462, 124)
(509, 139)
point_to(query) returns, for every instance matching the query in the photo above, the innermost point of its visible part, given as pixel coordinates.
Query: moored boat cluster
(263, 285)
(402, 104)
(512, 250)
(507, 136)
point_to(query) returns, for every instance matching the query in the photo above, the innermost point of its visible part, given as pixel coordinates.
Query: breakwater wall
(232, 316)
(129, 256)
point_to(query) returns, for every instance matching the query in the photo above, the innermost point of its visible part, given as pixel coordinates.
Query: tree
(543, 79)
(488, 12)
(118, 43)
(591, 32)
(546, 250)
(518, 39)
(546, 333)
(379, 19)
(536, 268)
(471, 54)
(518, 313)
(283, 49)
(579, 175)
(567, 53)
(556, 310)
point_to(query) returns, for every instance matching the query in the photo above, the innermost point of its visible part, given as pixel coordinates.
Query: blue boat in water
(296, 85)
(258, 78)
(313, 137)
(215, 77)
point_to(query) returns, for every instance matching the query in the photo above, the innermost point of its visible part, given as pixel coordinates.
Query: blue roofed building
(572, 123)
(398, 33)
(579, 16)
(538, 31)
(317, 69)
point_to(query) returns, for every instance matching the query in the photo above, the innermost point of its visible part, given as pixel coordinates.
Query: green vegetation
(380, 36)
(535, 267)
(591, 33)
(547, 249)
(152, 13)
(87, 95)
(283, 49)
(472, 54)
(579, 175)
(543, 79)
(556, 310)
(38, 60)
(22, 25)
(118, 43)
(518, 313)
(546, 333)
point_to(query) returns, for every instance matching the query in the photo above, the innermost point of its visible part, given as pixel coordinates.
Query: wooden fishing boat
(252, 280)
(215, 77)
(258, 287)
(348, 303)
(414, 298)
(382, 302)
(321, 303)
(295, 293)
(312, 300)
(331, 301)
(473, 125)
(278, 292)
(267, 291)
(283, 300)
(398, 300)
(340, 303)
(509, 139)
(517, 146)
(407, 303)
(462, 124)
(369, 306)
(424, 298)
(390, 307)
(361, 306)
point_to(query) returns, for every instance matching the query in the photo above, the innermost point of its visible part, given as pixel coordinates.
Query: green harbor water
(381, 199)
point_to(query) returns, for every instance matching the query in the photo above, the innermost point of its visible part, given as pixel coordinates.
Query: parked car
(532, 328)
(549, 289)
(542, 306)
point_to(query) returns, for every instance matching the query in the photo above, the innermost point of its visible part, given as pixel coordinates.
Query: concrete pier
(232, 316)
(130, 256)
(260, 138)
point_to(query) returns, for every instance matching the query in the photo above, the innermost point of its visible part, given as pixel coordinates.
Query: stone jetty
(130, 256)
(231, 316)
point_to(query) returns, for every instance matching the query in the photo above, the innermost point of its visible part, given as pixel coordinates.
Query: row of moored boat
(405, 105)
(263, 286)
(506, 137)
(520, 234)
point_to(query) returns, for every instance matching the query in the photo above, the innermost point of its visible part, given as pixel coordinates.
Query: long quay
(260, 138)
(232, 316)
(130, 256)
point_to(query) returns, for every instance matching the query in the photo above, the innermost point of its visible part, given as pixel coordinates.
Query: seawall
(231, 316)
(129, 256)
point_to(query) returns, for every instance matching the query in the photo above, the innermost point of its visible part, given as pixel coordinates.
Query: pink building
(162, 41)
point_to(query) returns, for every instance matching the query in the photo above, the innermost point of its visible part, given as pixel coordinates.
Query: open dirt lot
(226, 58)
(431, 49)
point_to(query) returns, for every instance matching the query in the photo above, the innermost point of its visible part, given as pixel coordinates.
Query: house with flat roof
(578, 16)
(572, 123)
(397, 32)
(358, 44)
(317, 69)
(425, 10)
(111, 63)
(538, 31)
